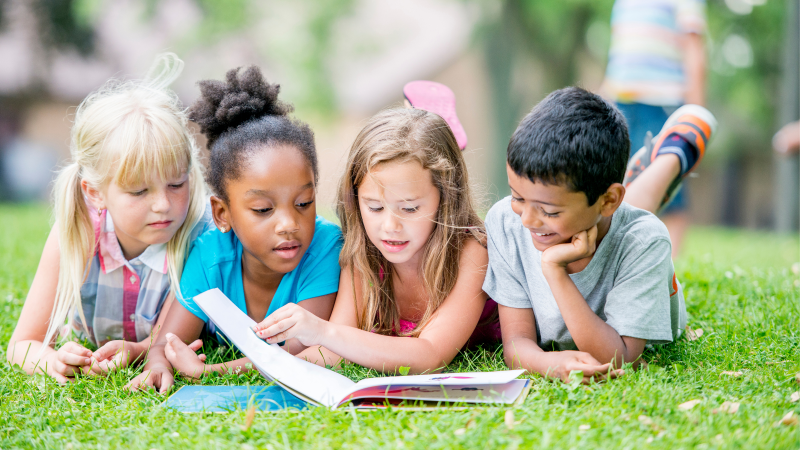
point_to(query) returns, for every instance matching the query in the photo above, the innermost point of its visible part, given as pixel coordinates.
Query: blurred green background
(340, 61)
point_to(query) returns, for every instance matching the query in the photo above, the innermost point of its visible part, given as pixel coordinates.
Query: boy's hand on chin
(581, 246)
(292, 321)
(184, 357)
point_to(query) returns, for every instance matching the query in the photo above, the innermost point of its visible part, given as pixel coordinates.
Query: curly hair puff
(242, 115)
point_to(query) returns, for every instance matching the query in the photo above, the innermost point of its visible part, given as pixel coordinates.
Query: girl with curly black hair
(270, 248)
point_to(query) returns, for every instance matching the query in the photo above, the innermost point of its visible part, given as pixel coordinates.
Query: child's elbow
(510, 357)
(434, 363)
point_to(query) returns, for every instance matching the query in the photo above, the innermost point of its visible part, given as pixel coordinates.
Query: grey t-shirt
(630, 282)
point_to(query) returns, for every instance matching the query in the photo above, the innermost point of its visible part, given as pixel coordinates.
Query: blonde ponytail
(124, 133)
(76, 243)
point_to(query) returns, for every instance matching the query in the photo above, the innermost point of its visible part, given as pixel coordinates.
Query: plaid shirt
(121, 299)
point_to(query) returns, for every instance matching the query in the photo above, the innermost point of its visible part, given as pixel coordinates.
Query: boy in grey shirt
(574, 269)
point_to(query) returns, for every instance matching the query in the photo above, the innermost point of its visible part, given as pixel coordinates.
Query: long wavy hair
(399, 135)
(123, 133)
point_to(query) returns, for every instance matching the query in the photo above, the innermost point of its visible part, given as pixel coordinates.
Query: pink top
(483, 333)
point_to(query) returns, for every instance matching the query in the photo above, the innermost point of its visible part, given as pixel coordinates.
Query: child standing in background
(126, 209)
(413, 260)
(270, 249)
(656, 63)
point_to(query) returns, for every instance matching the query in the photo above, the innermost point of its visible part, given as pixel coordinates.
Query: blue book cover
(191, 399)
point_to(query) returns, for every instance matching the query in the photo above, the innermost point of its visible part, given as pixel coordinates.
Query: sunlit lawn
(741, 290)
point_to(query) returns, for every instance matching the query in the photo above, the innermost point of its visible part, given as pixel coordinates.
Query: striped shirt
(121, 298)
(645, 62)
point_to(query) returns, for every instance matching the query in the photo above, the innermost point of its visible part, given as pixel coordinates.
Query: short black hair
(572, 137)
(239, 116)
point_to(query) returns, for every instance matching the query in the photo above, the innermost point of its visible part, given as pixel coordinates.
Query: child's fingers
(202, 357)
(67, 370)
(282, 313)
(141, 383)
(169, 352)
(280, 337)
(109, 350)
(112, 364)
(592, 369)
(94, 368)
(91, 369)
(177, 343)
(166, 382)
(587, 358)
(174, 343)
(598, 377)
(269, 320)
(276, 329)
(195, 346)
(76, 349)
(60, 379)
(118, 361)
(591, 236)
(73, 359)
(101, 367)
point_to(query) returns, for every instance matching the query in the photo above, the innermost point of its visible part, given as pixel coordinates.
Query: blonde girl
(126, 209)
(413, 260)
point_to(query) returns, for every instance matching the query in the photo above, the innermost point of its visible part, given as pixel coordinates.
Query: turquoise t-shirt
(215, 261)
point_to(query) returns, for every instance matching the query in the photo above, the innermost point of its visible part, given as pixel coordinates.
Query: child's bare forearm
(26, 355)
(384, 353)
(156, 356)
(524, 353)
(320, 356)
(590, 333)
(238, 365)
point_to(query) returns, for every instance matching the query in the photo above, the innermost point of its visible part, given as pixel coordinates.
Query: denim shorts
(642, 118)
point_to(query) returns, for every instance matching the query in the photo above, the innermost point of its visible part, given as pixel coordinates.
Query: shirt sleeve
(639, 303)
(502, 281)
(320, 275)
(193, 282)
(691, 16)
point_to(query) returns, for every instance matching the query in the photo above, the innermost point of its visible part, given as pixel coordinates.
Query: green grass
(740, 290)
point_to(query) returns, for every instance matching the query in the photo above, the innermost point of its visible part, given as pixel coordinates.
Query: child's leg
(648, 189)
(655, 172)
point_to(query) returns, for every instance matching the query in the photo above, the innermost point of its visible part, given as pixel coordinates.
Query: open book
(321, 386)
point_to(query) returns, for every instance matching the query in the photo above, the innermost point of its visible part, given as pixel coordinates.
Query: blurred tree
(69, 25)
(553, 36)
(61, 28)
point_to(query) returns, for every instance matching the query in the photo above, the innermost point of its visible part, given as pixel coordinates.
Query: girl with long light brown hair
(413, 260)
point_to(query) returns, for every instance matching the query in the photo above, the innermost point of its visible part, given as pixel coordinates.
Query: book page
(316, 383)
(503, 394)
(442, 379)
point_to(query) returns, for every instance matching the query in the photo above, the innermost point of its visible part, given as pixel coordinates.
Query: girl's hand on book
(292, 321)
(184, 357)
